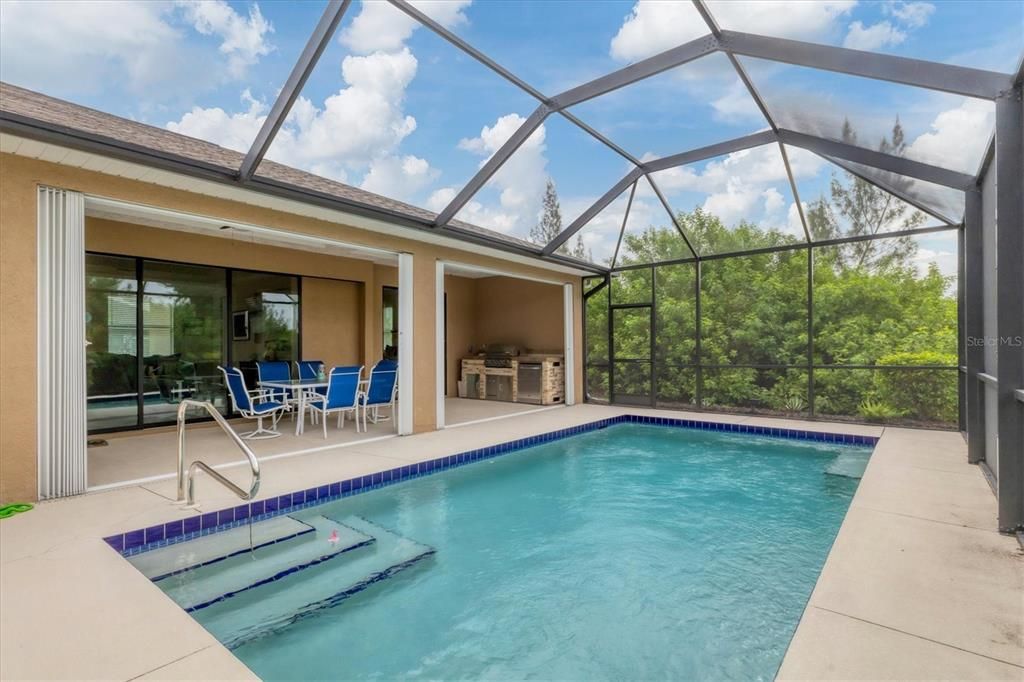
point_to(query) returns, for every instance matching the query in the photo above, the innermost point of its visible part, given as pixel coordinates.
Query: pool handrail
(187, 492)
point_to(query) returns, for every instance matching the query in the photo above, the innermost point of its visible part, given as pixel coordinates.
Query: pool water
(632, 552)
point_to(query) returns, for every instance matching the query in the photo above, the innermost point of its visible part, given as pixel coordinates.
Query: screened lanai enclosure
(776, 219)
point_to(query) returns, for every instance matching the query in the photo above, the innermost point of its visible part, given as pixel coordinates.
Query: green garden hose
(8, 510)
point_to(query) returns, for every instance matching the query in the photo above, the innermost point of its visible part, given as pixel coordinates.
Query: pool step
(162, 563)
(850, 464)
(279, 603)
(205, 585)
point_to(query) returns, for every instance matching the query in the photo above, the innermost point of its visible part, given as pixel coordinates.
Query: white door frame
(405, 344)
(568, 336)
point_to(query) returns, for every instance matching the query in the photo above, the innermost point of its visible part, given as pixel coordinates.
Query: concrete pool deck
(917, 584)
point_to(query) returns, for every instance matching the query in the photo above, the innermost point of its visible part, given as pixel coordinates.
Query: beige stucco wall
(333, 303)
(494, 310)
(461, 332)
(332, 321)
(530, 315)
(19, 178)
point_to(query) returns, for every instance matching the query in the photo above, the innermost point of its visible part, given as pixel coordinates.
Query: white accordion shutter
(61, 311)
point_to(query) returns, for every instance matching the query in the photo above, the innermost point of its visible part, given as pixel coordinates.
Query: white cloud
(749, 185)
(656, 25)
(400, 178)
(760, 167)
(519, 182)
(361, 124)
(736, 105)
(794, 225)
(440, 198)
(116, 42)
(379, 26)
(735, 202)
(243, 39)
(913, 14)
(773, 200)
(874, 37)
(156, 51)
(956, 136)
(946, 260)
(234, 131)
(357, 132)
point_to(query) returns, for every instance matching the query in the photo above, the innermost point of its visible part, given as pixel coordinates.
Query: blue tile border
(141, 540)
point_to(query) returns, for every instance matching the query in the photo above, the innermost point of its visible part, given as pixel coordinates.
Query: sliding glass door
(265, 320)
(183, 337)
(111, 334)
(157, 330)
(389, 307)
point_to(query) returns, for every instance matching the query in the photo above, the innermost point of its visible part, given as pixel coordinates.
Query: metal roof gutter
(64, 136)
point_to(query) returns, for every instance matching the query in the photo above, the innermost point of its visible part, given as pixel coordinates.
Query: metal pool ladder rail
(254, 464)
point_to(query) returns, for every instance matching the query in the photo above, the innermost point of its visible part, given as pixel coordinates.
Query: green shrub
(928, 395)
(878, 411)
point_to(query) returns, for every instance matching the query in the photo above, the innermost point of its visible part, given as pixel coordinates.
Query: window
(158, 330)
(389, 307)
(183, 337)
(111, 312)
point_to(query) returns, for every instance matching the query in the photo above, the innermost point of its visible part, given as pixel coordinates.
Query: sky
(393, 108)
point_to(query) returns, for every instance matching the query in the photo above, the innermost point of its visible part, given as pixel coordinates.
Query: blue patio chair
(277, 370)
(253, 404)
(309, 369)
(381, 391)
(342, 396)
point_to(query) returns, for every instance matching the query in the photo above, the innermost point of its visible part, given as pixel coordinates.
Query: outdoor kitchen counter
(475, 373)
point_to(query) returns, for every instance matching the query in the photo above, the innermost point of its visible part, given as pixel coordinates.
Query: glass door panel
(265, 320)
(389, 307)
(111, 323)
(183, 337)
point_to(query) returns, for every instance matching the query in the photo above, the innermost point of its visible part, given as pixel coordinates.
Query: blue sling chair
(253, 404)
(277, 371)
(342, 396)
(381, 391)
(309, 370)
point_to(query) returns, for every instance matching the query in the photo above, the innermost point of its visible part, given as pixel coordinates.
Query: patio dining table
(302, 387)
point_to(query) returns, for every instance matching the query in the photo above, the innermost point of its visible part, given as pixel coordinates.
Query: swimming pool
(633, 551)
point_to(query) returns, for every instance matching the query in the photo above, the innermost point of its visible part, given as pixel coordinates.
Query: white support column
(439, 338)
(60, 300)
(405, 344)
(570, 345)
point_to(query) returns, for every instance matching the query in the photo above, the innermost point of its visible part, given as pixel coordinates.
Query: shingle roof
(37, 106)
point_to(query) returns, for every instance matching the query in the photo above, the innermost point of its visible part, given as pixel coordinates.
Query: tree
(858, 208)
(873, 307)
(550, 225)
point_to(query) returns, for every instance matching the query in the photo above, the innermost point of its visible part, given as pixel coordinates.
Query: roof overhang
(49, 142)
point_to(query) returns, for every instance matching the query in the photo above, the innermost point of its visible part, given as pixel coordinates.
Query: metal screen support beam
(645, 68)
(569, 116)
(894, 164)
(598, 206)
(711, 151)
(899, 194)
(625, 219)
(672, 217)
(476, 54)
(796, 192)
(493, 164)
(315, 47)
(1010, 306)
(958, 80)
(974, 326)
(741, 72)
